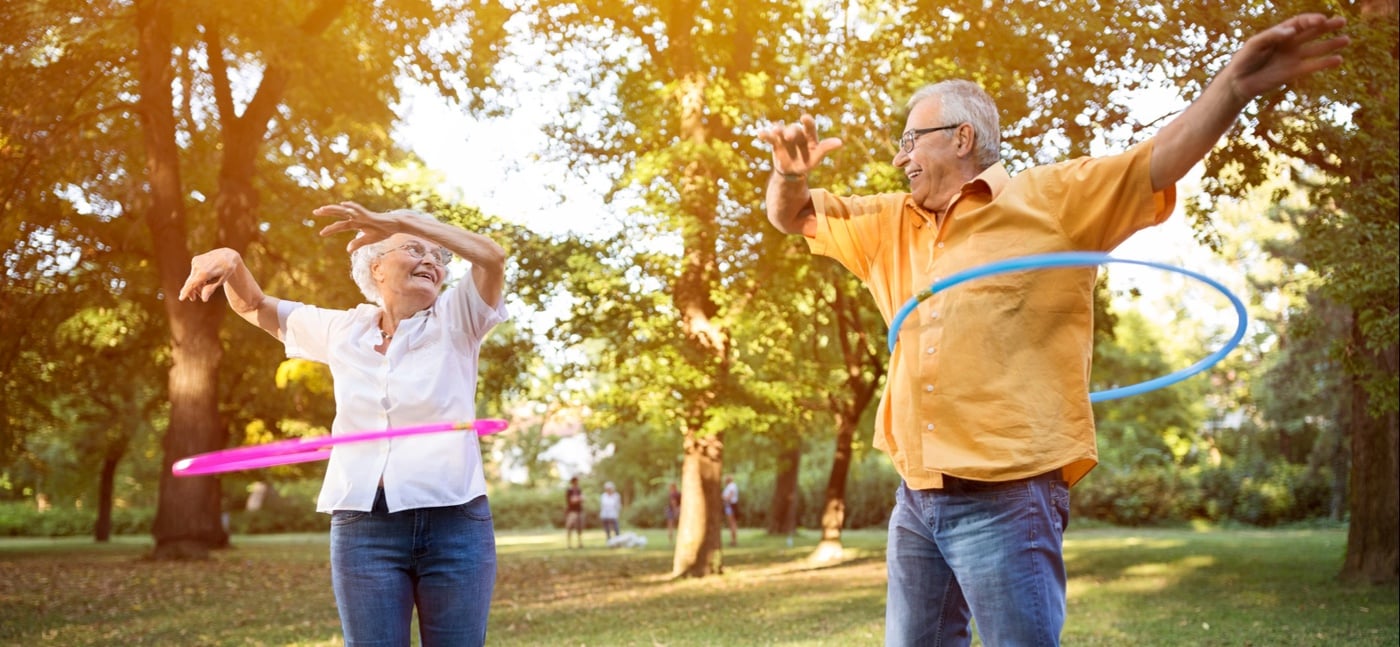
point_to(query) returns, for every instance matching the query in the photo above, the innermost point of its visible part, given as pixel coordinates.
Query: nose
(900, 158)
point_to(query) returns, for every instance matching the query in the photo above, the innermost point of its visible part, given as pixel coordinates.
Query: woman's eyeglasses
(442, 255)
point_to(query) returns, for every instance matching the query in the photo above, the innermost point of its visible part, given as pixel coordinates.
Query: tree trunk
(1373, 552)
(699, 531)
(187, 520)
(106, 485)
(834, 505)
(1373, 536)
(863, 371)
(782, 511)
(698, 539)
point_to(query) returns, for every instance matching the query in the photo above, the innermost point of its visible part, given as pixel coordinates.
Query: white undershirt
(426, 375)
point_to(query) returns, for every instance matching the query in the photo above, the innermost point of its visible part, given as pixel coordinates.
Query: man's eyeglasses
(440, 254)
(906, 141)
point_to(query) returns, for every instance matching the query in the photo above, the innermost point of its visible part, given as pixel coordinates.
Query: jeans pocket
(478, 509)
(346, 517)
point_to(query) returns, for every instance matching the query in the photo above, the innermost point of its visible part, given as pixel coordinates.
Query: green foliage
(514, 508)
(24, 519)
(1254, 493)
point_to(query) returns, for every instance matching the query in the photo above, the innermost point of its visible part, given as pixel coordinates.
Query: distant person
(730, 495)
(410, 525)
(673, 512)
(573, 513)
(609, 509)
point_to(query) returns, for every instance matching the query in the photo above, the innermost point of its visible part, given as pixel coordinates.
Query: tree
(667, 100)
(241, 90)
(1341, 129)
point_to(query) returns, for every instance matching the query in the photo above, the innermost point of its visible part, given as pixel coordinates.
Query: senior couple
(986, 456)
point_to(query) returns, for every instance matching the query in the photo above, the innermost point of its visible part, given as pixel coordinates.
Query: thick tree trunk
(699, 538)
(782, 510)
(1373, 537)
(187, 520)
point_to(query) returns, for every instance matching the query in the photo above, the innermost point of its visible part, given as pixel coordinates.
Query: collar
(991, 181)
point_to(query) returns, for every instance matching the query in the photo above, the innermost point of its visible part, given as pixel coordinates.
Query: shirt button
(933, 315)
(929, 426)
(928, 388)
(931, 350)
(940, 245)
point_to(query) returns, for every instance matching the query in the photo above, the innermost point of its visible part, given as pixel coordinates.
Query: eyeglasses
(906, 141)
(442, 255)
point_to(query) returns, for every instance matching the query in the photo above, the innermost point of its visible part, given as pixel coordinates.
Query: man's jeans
(442, 558)
(987, 551)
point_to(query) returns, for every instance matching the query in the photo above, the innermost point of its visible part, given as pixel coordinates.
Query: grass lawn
(1127, 586)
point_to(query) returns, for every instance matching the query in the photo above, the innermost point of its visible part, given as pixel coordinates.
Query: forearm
(488, 259)
(789, 204)
(247, 300)
(1190, 136)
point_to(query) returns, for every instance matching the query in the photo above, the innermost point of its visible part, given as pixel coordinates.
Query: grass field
(1127, 587)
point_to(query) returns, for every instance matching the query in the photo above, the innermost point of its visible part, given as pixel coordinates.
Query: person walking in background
(673, 512)
(573, 513)
(609, 510)
(986, 413)
(410, 525)
(730, 495)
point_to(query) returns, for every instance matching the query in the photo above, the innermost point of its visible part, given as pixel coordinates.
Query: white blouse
(426, 375)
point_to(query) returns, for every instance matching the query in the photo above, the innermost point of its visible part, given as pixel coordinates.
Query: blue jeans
(610, 528)
(985, 551)
(441, 559)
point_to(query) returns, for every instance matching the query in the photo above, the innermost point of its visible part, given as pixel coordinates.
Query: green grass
(1139, 587)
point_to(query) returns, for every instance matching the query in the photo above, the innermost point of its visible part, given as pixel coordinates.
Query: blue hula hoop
(1086, 259)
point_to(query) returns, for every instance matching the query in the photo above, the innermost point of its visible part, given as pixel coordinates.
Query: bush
(23, 519)
(289, 506)
(1132, 497)
(520, 508)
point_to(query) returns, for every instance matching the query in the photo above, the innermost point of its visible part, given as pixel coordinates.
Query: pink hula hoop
(305, 450)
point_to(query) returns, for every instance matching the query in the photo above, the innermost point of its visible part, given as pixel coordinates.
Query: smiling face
(939, 163)
(408, 272)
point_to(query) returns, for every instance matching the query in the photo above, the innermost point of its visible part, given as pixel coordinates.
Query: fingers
(201, 283)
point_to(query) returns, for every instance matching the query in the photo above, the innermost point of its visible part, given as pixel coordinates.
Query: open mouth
(426, 274)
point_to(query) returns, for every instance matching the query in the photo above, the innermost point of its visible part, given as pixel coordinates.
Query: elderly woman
(410, 523)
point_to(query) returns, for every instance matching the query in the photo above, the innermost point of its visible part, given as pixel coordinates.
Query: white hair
(966, 102)
(362, 258)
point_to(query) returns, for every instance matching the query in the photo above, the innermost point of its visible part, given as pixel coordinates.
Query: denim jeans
(441, 559)
(609, 528)
(987, 552)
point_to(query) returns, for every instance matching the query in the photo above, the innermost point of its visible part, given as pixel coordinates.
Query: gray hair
(966, 102)
(362, 258)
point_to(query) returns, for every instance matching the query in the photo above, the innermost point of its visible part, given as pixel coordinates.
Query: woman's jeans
(609, 528)
(441, 559)
(985, 551)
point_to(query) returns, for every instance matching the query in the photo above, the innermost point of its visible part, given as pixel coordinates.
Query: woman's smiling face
(410, 268)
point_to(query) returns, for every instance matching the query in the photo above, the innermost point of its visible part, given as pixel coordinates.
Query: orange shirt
(990, 379)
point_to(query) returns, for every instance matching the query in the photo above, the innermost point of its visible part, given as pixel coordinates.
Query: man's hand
(796, 149)
(1287, 51)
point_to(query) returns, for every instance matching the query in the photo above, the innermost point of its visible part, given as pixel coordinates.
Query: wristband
(794, 177)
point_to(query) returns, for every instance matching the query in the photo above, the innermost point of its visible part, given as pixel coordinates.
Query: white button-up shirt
(426, 375)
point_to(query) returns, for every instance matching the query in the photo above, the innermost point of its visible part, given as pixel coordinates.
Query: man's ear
(967, 139)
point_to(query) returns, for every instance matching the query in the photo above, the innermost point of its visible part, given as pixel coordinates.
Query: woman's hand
(208, 271)
(372, 226)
